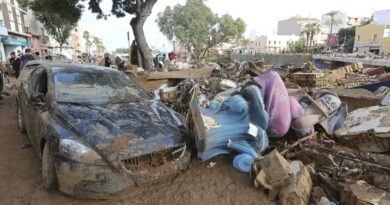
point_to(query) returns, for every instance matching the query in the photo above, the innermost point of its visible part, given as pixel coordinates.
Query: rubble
(319, 168)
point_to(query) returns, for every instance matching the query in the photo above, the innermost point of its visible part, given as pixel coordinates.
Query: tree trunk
(143, 10)
(142, 45)
(60, 48)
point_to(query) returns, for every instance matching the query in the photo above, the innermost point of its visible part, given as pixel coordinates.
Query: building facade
(3, 35)
(381, 17)
(373, 38)
(18, 33)
(356, 21)
(294, 25)
(271, 43)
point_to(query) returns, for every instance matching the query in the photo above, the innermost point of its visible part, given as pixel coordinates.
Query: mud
(21, 180)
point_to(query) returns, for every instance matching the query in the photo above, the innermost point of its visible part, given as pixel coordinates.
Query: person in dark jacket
(26, 57)
(107, 61)
(15, 63)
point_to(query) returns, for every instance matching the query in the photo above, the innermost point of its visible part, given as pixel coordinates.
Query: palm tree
(310, 30)
(333, 20)
(315, 29)
(98, 44)
(88, 42)
(306, 31)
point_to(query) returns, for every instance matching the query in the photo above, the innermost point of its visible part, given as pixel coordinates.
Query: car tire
(19, 119)
(48, 171)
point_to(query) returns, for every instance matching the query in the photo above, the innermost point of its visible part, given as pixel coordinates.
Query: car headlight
(75, 151)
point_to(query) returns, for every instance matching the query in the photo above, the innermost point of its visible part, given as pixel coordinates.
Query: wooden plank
(200, 131)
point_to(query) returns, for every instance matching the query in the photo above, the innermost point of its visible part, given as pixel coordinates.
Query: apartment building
(18, 33)
(373, 38)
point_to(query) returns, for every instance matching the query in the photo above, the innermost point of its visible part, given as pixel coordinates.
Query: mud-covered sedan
(97, 131)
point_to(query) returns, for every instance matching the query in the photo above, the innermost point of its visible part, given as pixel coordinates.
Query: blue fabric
(230, 129)
(243, 162)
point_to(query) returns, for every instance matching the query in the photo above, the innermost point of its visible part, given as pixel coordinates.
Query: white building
(381, 17)
(294, 25)
(356, 20)
(271, 43)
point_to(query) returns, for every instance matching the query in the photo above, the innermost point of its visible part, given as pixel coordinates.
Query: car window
(38, 81)
(97, 87)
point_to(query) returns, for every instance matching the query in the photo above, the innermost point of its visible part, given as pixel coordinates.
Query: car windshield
(97, 87)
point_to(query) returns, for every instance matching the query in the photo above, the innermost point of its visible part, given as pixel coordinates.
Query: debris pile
(301, 145)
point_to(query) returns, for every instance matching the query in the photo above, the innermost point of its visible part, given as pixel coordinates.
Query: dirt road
(21, 181)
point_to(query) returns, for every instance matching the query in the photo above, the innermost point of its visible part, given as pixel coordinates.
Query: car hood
(123, 130)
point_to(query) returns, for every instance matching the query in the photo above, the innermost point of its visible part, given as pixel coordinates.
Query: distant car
(97, 131)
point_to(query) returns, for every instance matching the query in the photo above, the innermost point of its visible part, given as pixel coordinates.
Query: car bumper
(91, 181)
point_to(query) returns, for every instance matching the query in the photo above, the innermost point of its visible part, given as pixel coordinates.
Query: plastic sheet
(236, 125)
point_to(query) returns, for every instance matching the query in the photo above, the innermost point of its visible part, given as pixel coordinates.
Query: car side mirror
(37, 99)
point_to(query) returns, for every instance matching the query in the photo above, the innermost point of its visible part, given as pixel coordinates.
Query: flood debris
(295, 157)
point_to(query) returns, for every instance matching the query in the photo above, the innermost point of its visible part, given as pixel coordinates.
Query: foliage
(346, 37)
(219, 59)
(71, 10)
(297, 46)
(55, 26)
(98, 44)
(88, 42)
(196, 27)
(310, 30)
(333, 19)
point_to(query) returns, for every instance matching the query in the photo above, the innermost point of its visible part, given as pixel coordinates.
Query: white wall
(382, 17)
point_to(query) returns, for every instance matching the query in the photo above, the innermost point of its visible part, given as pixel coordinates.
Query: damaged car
(97, 131)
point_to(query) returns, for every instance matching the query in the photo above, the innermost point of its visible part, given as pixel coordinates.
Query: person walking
(1, 84)
(14, 61)
(107, 60)
(26, 58)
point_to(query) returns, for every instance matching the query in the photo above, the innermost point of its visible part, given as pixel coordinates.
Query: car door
(37, 106)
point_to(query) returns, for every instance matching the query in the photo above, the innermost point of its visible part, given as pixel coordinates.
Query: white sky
(259, 15)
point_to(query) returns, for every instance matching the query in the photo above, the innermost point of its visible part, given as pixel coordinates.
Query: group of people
(16, 61)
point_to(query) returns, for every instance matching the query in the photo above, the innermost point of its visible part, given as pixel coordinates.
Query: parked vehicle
(97, 131)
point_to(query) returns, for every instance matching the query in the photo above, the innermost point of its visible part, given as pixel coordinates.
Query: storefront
(13, 45)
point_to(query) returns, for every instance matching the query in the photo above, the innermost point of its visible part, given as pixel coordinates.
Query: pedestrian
(26, 58)
(15, 63)
(1, 84)
(107, 61)
(37, 55)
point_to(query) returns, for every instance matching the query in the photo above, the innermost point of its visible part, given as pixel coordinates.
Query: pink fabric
(281, 108)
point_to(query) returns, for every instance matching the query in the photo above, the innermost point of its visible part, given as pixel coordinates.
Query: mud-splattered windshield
(96, 87)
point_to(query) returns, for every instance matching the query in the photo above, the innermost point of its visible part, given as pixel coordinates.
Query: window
(11, 17)
(280, 43)
(375, 37)
(269, 42)
(19, 19)
(358, 38)
(386, 33)
(274, 42)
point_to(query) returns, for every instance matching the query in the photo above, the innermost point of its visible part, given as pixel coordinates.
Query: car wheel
(20, 122)
(48, 171)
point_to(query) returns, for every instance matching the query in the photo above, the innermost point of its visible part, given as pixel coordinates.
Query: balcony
(45, 39)
(27, 29)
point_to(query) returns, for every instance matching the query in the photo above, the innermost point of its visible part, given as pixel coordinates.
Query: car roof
(32, 63)
(59, 67)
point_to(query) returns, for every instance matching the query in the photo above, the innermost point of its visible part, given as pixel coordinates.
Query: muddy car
(97, 131)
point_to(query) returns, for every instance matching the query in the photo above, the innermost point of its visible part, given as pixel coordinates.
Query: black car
(97, 131)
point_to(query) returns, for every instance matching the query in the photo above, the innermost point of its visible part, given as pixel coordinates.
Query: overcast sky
(259, 15)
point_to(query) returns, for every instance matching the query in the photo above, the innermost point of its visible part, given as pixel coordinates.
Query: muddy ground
(21, 181)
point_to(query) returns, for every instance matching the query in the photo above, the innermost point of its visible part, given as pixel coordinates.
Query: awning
(10, 41)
